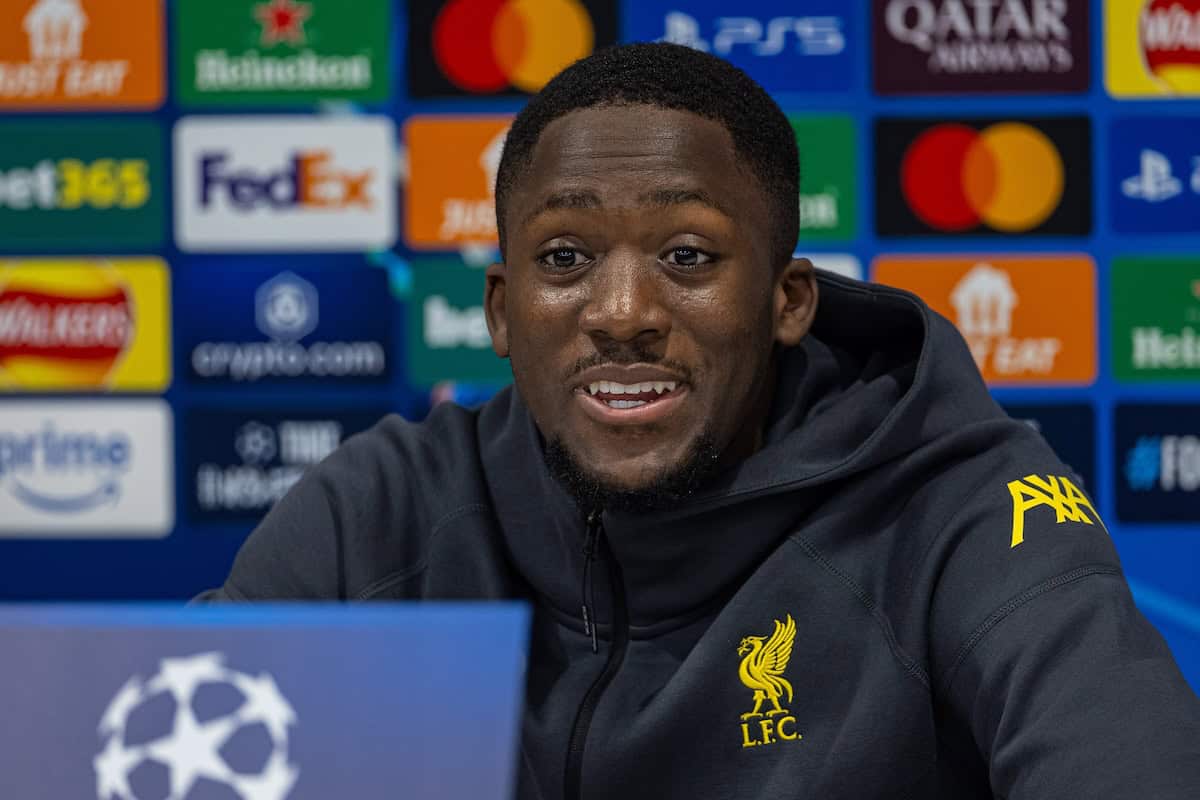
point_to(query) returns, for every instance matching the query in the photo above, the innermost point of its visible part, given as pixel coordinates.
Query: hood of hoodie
(879, 376)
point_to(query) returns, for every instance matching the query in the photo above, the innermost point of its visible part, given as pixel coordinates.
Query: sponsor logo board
(1070, 430)
(326, 327)
(983, 176)
(240, 463)
(84, 325)
(1155, 164)
(460, 48)
(281, 51)
(86, 468)
(959, 46)
(447, 334)
(785, 46)
(1156, 323)
(1157, 461)
(1027, 320)
(1152, 48)
(90, 184)
(81, 54)
(451, 197)
(284, 183)
(843, 264)
(828, 197)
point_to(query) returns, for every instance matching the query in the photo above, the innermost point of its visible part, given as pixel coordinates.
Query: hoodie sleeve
(1038, 650)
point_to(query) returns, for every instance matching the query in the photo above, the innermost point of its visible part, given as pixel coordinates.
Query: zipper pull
(594, 529)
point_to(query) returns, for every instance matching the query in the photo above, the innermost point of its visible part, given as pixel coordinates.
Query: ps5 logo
(1156, 181)
(808, 36)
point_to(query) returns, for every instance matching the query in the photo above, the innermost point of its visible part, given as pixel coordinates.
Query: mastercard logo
(487, 46)
(1008, 176)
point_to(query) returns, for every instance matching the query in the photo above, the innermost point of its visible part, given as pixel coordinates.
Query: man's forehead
(630, 131)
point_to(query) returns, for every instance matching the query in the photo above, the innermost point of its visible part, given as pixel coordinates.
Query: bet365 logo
(71, 183)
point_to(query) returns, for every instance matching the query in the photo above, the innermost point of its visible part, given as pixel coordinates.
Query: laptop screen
(261, 702)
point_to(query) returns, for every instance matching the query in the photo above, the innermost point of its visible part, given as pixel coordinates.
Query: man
(777, 546)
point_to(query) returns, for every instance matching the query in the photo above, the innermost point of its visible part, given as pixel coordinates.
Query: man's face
(638, 302)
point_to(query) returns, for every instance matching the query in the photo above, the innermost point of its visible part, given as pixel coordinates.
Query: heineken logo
(1156, 326)
(282, 51)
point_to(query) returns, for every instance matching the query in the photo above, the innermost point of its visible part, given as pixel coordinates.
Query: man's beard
(666, 491)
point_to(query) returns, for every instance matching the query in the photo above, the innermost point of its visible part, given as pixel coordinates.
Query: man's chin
(651, 491)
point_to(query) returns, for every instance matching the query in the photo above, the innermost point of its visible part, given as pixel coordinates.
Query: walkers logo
(764, 660)
(828, 206)
(84, 325)
(78, 54)
(284, 183)
(1153, 48)
(282, 51)
(97, 468)
(241, 464)
(447, 331)
(785, 46)
(452, 179)
(486, 47)
(1156, 166)
(1056, 492)
(89, 184)
(1156, 324)
(326, 326)
(1071, 431)
(945, 46)
(1026, 320)
(1158, 457)
(983, 176)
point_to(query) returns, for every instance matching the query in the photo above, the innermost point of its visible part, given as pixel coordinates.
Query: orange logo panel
(452, 180)
(81, 53)
(1027, 320)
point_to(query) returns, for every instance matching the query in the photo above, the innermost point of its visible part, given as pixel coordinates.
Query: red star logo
(282, 21)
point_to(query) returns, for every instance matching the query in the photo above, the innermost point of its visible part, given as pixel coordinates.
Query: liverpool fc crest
(764, 660)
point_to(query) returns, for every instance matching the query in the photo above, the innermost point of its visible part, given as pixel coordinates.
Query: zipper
(573, 776)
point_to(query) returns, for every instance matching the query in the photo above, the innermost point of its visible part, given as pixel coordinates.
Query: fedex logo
(309, 179)
(285, 183)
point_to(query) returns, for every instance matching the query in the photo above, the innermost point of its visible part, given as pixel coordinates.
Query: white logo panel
(285, 183)
(94, 468)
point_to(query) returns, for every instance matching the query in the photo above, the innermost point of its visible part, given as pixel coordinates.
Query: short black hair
(674, 77)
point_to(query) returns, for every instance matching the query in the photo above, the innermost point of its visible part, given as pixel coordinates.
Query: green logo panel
(828, 202)
(83, 185)
(447, 335)
(1156, 318)
(279, 52)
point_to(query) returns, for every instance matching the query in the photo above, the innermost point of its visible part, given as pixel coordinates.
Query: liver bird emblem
(763, 661)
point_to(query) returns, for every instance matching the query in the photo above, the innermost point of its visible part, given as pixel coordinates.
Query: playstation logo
(1155, 182)
(285, 308)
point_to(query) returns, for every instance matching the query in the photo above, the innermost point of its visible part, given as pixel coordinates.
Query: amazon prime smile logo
(70, 467)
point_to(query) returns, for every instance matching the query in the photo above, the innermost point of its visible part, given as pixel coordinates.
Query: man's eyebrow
(658, 198)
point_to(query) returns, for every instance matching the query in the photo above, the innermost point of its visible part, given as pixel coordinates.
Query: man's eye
(687, 257)
(562, 258)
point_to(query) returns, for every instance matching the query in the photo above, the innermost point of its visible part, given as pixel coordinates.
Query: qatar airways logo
(285, 183)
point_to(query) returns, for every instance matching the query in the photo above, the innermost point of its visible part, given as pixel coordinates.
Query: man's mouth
(630, 395)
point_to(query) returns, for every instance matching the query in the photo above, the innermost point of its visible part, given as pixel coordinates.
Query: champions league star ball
(196, 729)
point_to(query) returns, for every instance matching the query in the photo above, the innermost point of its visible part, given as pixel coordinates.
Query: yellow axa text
(1055, 491)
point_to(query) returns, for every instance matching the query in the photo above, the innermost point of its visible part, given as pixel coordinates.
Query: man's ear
(495, 308)
(795, 301)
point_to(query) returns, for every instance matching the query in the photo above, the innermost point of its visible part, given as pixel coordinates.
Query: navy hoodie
(903, 593)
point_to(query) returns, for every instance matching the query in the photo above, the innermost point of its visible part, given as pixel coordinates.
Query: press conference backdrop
(235, 232)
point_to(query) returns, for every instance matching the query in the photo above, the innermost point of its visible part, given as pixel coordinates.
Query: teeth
(625, 403)
(612, 387)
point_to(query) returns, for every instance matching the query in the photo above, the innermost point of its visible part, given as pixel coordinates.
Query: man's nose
(624, 301)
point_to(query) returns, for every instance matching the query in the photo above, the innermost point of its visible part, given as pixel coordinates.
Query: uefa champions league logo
(194, 747)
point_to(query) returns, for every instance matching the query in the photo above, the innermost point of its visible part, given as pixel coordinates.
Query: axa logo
(802, 35)
(1164, 463)
(1169, 35)
(196, 740)
(1055, 492)
(70, 183)
(1156, 181)
(309, 179)
(764, 661)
